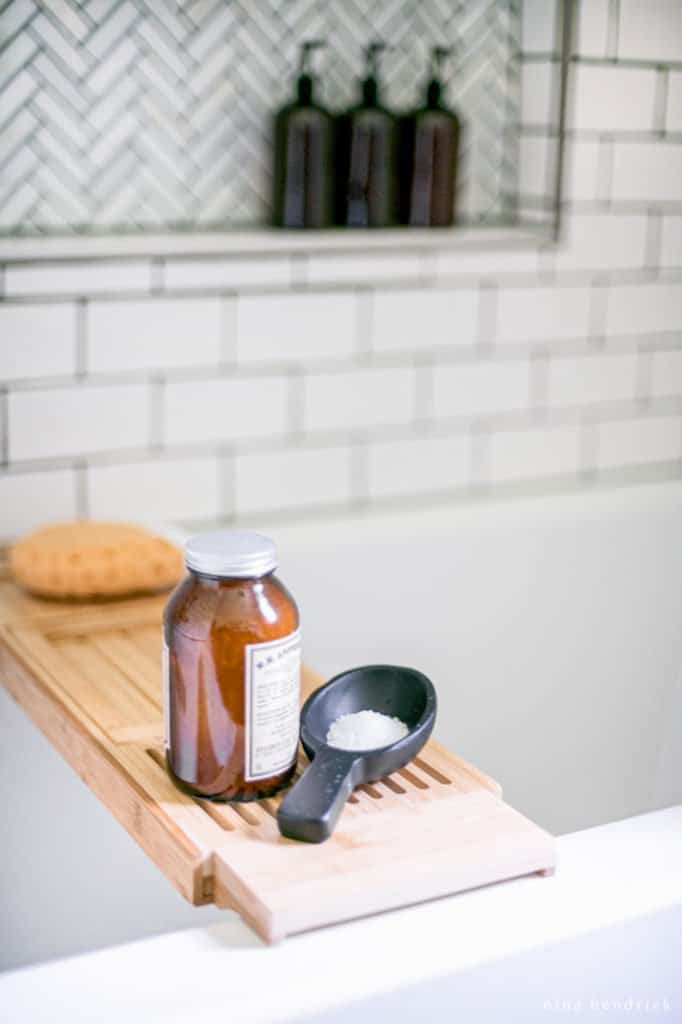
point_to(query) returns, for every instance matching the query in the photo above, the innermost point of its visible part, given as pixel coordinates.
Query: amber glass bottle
(429, 145)
(366, 154)
(303, 173)
(232, 668)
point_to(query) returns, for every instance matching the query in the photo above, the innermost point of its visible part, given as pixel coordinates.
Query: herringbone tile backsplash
(156, 114)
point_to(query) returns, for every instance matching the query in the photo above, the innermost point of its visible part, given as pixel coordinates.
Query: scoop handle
(311, 809)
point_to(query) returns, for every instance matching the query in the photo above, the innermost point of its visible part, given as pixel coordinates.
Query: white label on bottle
(165, 677)
(272, 673)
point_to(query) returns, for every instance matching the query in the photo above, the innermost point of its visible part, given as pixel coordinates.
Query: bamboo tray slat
(89, 676)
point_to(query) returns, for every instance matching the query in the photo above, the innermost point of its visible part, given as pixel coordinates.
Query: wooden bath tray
(90, 678)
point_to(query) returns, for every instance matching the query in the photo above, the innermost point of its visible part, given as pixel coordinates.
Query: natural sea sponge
(89, 559)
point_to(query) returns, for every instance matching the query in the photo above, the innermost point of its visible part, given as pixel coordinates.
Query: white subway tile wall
(667, 373)
(650, 31)
(357, 399)
(293, 478)
(78, 278)
(166, 489)
(424, 466)
(291, 328)
(37, 340)
(482, 387)
(592, 30)
(535, 454)
(542, 314)
(323, 268)
(293, 381)
(24, 497)
(639, 442)
(424, 319)
(83, 419)
(153, 334)
(601, 241)
(227, 274)
(224, 409)
(644, 307)
(608, 99)
(581, 166)
(580, 380)
(642, 170)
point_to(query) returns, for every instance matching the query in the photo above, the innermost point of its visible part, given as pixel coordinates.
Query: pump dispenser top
(434, 89)
(305, 81)
(429, 143)
(303, 194)
(367, 138)
(370, 84)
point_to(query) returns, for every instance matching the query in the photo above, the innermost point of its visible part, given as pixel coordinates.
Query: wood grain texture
(89, 676)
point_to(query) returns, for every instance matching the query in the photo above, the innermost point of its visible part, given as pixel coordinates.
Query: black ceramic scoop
(311, 809)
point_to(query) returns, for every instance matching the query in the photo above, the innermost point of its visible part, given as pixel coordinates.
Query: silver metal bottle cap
(231, 553)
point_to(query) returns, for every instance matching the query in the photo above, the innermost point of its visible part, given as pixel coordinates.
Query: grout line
(430, 498)
(463, 280)
(352, 243)
(644, 63)
(595, 134)
(507, 352)
(442, 426)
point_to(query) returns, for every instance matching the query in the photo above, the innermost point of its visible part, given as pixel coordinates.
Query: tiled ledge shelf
(159, 115)
(265, 241)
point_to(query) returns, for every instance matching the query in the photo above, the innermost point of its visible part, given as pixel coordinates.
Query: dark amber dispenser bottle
(366, 155)
(303, 172)
(429, 143)
(232, 668)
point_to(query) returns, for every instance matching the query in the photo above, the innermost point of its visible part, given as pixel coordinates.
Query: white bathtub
(551, 628)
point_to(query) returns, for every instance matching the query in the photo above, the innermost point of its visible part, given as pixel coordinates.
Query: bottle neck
(433, 94)
(305, 90)
(228, 579)
(370, 92)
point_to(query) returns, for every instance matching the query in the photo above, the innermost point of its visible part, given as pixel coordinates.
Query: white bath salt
(365, 730)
